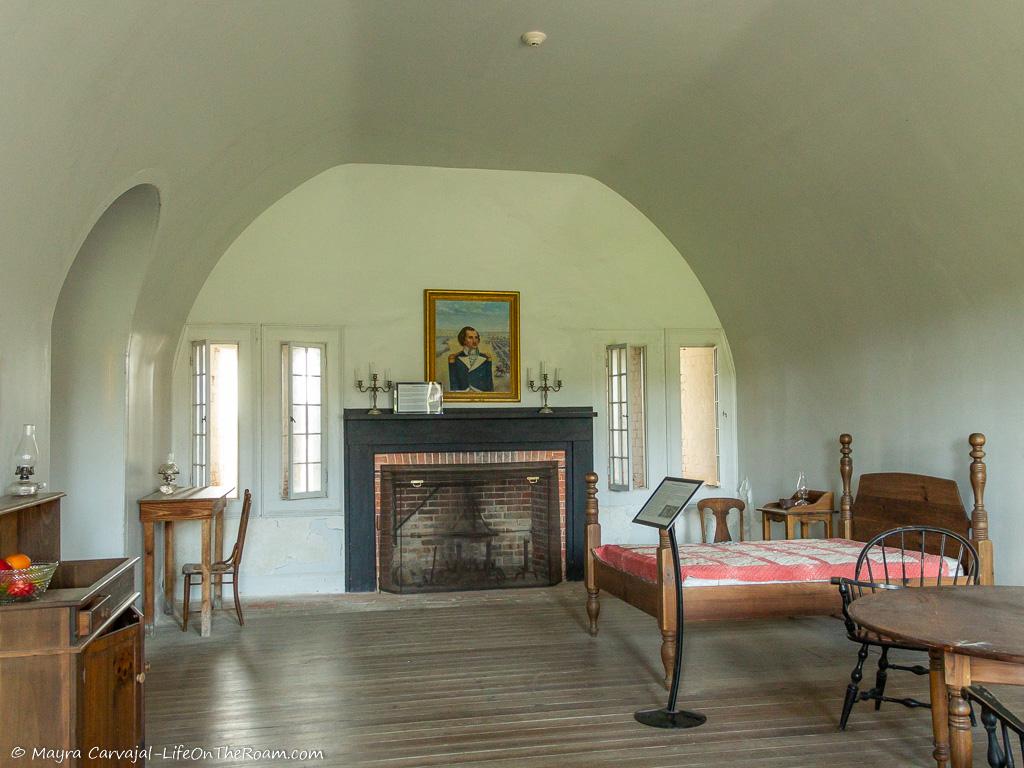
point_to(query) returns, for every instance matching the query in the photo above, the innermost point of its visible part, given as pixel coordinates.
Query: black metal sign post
(661, 511)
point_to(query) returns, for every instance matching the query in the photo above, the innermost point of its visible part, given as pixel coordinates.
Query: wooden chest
(72, 667)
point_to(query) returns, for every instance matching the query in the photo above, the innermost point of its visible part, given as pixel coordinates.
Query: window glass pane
(313, 478)
(222, 420)
(313, 427)
(299, 478)
(299, 361)
(298, 419)
(298, 389)
(304, 371)
(699, 411)
(313, 390)
(298, 448)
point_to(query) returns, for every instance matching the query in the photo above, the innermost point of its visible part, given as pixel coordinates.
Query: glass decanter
(801, 490)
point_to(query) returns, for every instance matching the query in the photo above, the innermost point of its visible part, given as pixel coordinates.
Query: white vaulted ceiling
(846, 179)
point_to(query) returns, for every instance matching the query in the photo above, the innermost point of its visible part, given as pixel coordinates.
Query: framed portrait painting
(471, 341)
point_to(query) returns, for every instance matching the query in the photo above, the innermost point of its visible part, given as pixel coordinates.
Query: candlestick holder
(544, 387)
(373, 388)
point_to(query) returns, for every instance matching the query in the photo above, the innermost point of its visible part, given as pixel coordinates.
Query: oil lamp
(27, 456)
(168, 472)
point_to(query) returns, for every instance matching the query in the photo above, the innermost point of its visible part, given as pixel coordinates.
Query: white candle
(529, 374)
(542, 369)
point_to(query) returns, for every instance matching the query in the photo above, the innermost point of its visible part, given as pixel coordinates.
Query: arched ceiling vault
(782, 146)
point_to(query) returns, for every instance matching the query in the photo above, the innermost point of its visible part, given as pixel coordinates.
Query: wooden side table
(206, 505)
(818, 510)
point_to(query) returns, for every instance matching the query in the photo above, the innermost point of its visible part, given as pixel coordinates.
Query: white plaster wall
(24, 377)
(90, 341)
(356, 246)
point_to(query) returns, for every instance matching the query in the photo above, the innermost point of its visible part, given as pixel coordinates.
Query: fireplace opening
(469, 526)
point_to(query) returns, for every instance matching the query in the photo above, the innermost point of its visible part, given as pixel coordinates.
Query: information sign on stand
(661, 511)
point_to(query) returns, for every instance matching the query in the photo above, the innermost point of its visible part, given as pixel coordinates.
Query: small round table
(974, 635)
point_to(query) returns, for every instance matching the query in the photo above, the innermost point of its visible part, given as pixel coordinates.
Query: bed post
(979, 515)
(592, 539)
(846, 501)
(666, 605)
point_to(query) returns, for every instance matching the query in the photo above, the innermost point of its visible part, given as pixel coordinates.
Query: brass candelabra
(373, 388)
(544, 388)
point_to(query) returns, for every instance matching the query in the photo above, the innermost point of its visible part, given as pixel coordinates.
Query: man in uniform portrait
(471, 370)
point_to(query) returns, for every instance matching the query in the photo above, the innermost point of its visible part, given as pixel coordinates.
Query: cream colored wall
(356, 246)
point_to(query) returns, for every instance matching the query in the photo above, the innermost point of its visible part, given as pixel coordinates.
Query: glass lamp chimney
(27, 456)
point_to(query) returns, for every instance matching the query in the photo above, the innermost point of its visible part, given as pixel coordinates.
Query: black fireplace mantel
(459, 429)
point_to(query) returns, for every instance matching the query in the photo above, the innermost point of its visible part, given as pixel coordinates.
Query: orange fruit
(18, 561)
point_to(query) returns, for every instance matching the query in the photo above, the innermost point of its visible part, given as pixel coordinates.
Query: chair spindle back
(904, 557)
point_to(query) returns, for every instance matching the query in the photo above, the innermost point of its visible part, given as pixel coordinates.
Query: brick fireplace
(469, 519)
(468, 436)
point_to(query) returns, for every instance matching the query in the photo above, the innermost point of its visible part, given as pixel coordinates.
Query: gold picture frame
(485, 367)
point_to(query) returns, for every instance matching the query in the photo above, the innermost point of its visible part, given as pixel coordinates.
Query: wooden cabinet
(71, 663)
(110, 690)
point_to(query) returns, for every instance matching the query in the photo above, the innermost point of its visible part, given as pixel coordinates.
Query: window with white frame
(215, 414)
(627, 416)
(699, 406)
(304, 420)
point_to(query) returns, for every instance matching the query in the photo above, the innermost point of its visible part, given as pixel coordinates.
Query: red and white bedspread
(768, 562)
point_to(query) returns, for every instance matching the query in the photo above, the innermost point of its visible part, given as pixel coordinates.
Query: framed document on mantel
(418, 397)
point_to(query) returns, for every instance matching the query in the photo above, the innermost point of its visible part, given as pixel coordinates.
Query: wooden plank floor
(510, 678)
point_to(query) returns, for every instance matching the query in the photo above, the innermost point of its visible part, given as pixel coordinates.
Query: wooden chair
(998, 721)
(897, 548)
(719, 507)
(220, 569)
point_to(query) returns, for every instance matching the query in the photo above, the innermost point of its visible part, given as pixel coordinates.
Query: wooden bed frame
(884, 500)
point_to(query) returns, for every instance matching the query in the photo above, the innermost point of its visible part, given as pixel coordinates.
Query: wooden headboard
(887, 500)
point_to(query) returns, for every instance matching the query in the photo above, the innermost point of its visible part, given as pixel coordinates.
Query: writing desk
(817, 510)
(974, 635)
(205, 504)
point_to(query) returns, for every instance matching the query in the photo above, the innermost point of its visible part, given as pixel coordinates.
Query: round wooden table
(974, 635)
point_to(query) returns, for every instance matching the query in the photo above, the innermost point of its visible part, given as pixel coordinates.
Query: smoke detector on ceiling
(534, 38)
